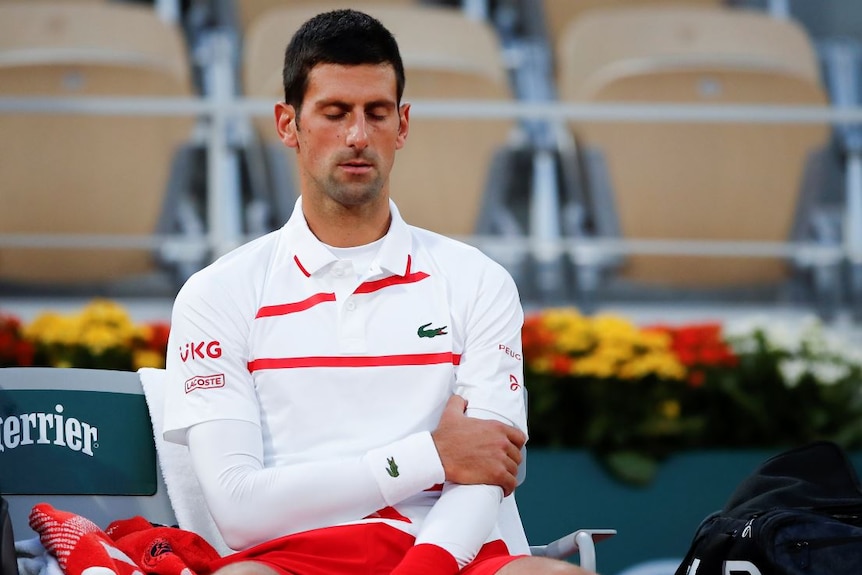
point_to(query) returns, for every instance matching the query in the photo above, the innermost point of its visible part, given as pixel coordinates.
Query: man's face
(349, 128)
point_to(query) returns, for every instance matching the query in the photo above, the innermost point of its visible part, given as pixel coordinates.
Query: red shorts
(363, 549)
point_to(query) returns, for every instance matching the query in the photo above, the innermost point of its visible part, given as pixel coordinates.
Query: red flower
(561, 364)
(699, 345)
(15, 351)
(696, 378)
(158, 340)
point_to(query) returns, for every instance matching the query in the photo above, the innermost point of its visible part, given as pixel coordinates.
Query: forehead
(351, 84)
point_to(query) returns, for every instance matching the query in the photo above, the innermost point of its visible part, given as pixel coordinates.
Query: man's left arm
(490, 378)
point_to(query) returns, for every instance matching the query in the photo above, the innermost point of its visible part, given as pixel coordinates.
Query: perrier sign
(86, 437)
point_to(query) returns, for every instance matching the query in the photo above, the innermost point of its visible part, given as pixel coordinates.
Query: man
(320, 374)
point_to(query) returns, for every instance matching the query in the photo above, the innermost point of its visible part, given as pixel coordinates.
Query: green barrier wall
(567, 490)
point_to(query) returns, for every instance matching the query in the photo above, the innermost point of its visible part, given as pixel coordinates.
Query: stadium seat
(559, 14)
(450, 175)
(132, 471)
(71, 173)
(248, 11)
(690, 180)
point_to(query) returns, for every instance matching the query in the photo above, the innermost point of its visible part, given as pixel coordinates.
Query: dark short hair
(345, 37)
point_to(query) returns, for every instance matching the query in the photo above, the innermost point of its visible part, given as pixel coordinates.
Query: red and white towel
(127, 547)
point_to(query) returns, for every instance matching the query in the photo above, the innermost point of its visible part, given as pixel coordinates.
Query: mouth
(356, 167)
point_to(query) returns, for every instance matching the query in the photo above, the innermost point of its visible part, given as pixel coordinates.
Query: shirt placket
(351, 314)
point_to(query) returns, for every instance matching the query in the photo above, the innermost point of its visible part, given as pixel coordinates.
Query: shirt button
(350, 305)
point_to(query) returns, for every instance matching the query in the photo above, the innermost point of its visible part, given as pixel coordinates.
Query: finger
(512, 468)
(456, 405)
(508, 486)
(516, 436)
(514, 454)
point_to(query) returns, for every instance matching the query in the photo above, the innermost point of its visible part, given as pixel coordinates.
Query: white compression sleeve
(251, 504)
(465, 515)
(462, 519)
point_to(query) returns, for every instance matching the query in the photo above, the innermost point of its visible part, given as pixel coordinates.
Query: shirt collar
(311, 255)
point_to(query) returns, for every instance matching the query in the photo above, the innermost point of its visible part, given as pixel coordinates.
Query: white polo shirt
(332, 362)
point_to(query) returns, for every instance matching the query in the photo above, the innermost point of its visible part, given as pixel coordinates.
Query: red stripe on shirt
(301, 267)
(368, 287)
(286, 308)
(354, 361)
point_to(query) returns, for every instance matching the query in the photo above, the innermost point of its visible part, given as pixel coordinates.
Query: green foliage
(757, 385)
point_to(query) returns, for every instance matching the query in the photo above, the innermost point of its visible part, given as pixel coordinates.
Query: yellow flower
(104, 311)
(661, 364)
(575, 340)
(655, 339)
(614, 351)
(101, 326)
(594, 366)
(614, 328)
(99, 338)
(559, 319)
(541, 364)
(52, 329)
(147, 358)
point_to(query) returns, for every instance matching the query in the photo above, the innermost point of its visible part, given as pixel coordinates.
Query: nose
(357, 133)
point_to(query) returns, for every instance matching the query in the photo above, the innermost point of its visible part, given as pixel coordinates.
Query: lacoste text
(205, 382)
(48, 428)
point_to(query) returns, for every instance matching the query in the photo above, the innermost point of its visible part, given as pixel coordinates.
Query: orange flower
(157, 339)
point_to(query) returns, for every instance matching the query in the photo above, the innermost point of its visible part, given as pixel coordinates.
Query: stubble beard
(352, 191)
(351, 194)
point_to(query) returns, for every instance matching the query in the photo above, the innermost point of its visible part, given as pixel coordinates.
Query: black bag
(8, 561)
(799, 513)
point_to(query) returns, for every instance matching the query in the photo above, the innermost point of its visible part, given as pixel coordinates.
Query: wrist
(405, 467)
(427, 559)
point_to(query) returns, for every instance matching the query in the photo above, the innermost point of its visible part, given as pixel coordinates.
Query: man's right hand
(477, 451)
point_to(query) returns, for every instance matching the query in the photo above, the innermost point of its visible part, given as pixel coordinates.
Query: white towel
(184, 491)
(34, 559)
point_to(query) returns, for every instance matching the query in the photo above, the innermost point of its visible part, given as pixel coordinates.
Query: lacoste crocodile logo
(433, 332)
(392, 470)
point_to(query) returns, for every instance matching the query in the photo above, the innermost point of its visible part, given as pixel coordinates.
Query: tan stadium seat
(559, 14)
(247, 11)
(440, 175)
(66, 173)
(696, 180)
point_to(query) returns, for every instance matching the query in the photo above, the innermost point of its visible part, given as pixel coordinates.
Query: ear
(403, 126)
(285, 124)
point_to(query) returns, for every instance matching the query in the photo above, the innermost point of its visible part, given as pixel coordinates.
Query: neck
(347, 226)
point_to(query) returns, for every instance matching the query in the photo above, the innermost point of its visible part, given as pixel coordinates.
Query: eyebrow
(388, 104)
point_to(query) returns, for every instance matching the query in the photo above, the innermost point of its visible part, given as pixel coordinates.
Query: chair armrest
(581, 542)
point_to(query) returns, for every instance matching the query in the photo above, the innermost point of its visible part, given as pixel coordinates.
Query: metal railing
(221, 111)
